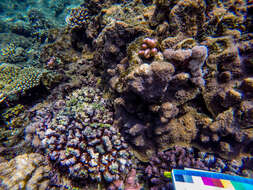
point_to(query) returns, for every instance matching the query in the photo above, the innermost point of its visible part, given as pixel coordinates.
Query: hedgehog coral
(80, 139)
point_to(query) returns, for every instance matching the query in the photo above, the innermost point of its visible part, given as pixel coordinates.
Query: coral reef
(19, 86)
(28, 171)
(187, 90)
(177, 72)
(60, 46)
(164, 85)
(120, 26)
(25, 28)
(79, 137)
(15, 49)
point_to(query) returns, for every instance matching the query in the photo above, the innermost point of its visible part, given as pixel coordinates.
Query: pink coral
(51, 63)
(148, 48)
(129, 184)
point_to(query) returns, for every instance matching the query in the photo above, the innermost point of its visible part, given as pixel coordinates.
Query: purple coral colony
(112, 94)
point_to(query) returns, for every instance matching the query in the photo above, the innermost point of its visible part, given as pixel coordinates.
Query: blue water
(24, 26)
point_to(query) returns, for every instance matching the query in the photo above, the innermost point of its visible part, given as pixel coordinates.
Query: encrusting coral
(196, 58)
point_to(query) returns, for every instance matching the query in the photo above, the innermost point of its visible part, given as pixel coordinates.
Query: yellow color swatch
(226, 183)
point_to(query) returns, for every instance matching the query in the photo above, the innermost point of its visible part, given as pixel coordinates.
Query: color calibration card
(203, 180)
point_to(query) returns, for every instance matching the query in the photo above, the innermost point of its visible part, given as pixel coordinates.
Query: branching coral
(15, 80)
(148, 48)
(78, 17)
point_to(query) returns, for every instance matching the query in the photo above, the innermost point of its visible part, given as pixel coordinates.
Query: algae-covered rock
(28, 171)
(178, 131)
